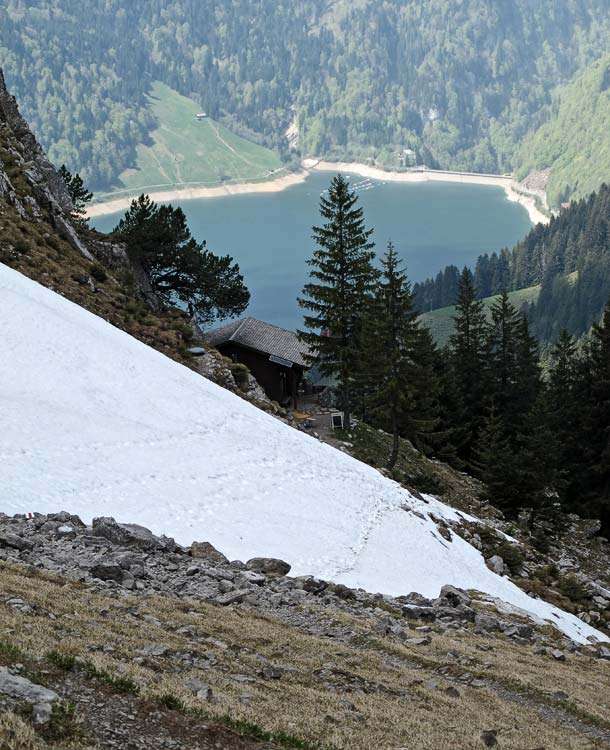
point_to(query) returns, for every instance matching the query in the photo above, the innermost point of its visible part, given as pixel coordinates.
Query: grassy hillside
(575, 142)
(440, 322)
(183, 150)
(318, 677)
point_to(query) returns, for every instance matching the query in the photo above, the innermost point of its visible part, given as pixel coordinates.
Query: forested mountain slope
(569, 258)
(460, 84)
(574, 144)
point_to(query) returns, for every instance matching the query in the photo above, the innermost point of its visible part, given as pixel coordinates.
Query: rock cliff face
(43, 192)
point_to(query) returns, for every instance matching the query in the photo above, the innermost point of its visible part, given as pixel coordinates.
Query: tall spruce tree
(528, 372)
(539, 475)
(342, 279)
(596, 423)
(496, 463)
(503, 355)
(469, 367)
(564, 410)
(389, 339)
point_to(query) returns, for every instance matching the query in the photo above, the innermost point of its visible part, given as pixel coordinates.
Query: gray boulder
(454, 596)
(207, 551)
(130, 535)
(486, 622)
(108, 571)
(270, 566)
(16, 542)
(22, 689)
(496, 563)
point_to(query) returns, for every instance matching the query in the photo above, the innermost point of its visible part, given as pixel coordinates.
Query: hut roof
(263, 337)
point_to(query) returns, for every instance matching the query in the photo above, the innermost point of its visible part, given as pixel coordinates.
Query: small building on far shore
(201, 116)
(274, 355)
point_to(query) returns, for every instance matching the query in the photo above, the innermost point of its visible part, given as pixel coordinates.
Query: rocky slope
(112, 637)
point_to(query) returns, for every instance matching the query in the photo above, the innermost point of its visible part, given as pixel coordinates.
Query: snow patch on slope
(97, 423)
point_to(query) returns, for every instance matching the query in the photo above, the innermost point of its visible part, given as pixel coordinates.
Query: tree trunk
(347, 418)
(395, 442)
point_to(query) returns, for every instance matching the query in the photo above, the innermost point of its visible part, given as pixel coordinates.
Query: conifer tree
(503, 355)
(342, 279)
(539, 474)
(389, 339)
(564, 410)
(496, 464)
(469, 366)
(78, 193)
(179, 268)
(528, 377)
(596, 433)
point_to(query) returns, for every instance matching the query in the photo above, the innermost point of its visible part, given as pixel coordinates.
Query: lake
(269, 234)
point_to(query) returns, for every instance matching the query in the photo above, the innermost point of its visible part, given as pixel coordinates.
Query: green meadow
(440, 322)
(184, 151)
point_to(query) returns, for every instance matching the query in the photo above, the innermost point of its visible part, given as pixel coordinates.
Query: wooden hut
(275, 356)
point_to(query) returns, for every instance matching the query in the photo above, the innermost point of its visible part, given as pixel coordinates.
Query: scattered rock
(232, 597)
(16, 542)
(22, 689)
(206, 551)
(108, 571)
(270, 672)
(41, 713)
(424, 641)
(486, 622)
(496, 563)
(454, 596)
(130, 535)
(270, 566)
(200, 689)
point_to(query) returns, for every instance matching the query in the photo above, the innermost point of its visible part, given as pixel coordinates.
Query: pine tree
(78, 193)
(563, 407)
(539, 474)
(596, 433)
(496, 464)
(528, 377)
(389, 337)
(503, 355)
(468, 367)
(178, 268)
(342, 278)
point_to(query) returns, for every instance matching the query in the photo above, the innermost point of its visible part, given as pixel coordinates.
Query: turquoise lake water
(269, 235)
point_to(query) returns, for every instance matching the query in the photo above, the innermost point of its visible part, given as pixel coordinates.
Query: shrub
(240, 374)
(62, 725)
(118, 684)
(572, 588)
(62, 661)
(512, 556)
(99, 273)
(547, 574)
(168, 700)
(22, 246)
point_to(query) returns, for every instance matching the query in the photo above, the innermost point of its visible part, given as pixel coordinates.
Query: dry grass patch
(369, 693)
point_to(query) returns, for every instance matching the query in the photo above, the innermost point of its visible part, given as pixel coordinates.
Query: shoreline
(185, 193)
(515, 192)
